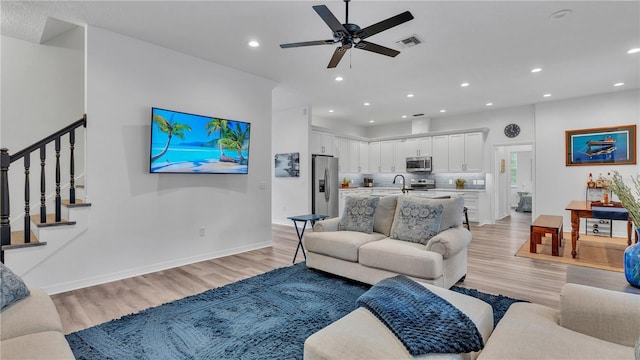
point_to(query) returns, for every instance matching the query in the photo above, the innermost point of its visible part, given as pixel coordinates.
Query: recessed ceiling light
(366, 104)
(561, 14)
(409, 95)
(254, 43)
(404, 116)
(489, 104)
(371, 121)
(546, 95)
(535, 70)
(331, 110)
(633, 51)
(339, 78)
(464, 84)
(443, 111)
(618, 84)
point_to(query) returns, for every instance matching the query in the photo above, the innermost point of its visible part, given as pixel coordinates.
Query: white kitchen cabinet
(474, 151)
(400, 155)
(343, 154)
(419, 146)
(354, 156)
(322, 143)
(456, 153)
(440, 154)
(465, 152)
(386, 156)
(374, 157)
(364, 157)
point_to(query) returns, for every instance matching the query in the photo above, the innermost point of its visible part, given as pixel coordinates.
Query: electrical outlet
(480, 182)
(474, 182)
(450, 181)
(201, 231)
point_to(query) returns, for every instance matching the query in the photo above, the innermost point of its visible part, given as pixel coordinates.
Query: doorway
(514, 176)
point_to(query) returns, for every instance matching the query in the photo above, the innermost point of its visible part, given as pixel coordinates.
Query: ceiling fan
(351, 35)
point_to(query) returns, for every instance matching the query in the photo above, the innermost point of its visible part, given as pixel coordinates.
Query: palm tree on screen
(171, 129)
(219, 125)
(236, 138)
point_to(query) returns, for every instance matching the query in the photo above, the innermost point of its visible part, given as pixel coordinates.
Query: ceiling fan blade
(328, 17)
(369, 46)
(384, 25)
(337, 55)
(308, 43)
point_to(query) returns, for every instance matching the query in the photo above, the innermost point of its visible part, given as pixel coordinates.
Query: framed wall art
(601, 146)
(287, 165)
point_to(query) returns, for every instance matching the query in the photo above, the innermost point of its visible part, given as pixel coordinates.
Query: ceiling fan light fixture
(253, 43)
(536, 70)
(464, 84)
(366, 104)
(339, 78)
(560, 14)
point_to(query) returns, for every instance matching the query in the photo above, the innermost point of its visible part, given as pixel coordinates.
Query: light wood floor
(492, 268)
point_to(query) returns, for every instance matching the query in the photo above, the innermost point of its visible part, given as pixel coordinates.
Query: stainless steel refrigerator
(324, 199)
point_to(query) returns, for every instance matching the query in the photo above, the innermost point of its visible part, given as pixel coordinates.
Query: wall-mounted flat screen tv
(196, 144)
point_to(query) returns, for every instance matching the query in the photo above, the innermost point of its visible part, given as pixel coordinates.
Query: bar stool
(466, 218)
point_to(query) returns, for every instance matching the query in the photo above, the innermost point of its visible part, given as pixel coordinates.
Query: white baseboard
(102, 279)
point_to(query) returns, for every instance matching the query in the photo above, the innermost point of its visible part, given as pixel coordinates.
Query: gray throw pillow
(13, 288)
(416, 220)
(358, 214)
(383, 219)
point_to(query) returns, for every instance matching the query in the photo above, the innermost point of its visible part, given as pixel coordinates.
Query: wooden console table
(582, 209)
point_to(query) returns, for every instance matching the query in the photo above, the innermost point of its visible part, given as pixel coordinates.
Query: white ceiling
(492, 45)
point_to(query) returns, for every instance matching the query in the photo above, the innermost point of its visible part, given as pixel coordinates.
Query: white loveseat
(371, 257)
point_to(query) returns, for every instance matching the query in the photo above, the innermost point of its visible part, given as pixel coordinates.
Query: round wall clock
(512, 130)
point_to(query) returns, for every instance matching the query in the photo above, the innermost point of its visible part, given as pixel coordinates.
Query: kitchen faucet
(394, 181)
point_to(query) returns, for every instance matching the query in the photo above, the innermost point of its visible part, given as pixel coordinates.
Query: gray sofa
(31, 329)
(592, 323)
(371, 257)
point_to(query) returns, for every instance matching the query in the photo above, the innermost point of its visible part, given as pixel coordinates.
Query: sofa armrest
(605, 314)
(326, 225)
(450, 242)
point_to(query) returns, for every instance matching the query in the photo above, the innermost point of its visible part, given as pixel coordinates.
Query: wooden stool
(546, 224)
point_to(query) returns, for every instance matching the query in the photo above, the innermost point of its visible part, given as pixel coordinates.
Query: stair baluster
(72, 167)
(58, 199)
(27, 195)
(43, 188)
(5, 228)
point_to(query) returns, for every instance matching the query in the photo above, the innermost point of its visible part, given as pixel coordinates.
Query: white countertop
(374, 188)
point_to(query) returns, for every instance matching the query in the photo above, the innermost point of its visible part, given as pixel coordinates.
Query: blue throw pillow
(416, 220)
(13, 288)
(358, 214)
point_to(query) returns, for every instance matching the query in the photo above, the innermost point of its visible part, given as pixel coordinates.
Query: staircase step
(51, 221)
(17, 241)
(78, 203)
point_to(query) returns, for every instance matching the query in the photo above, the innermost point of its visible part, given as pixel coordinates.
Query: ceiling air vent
(412, 40)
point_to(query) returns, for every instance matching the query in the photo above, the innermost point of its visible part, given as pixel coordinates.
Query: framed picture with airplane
(601, 146)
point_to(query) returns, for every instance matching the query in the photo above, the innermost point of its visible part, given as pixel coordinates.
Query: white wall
(142, 222)
(291, 195)
(556, 183)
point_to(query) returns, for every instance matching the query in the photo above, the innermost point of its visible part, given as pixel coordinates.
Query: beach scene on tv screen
(187, 143)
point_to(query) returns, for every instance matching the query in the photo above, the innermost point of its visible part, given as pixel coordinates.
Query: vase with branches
(630, 199)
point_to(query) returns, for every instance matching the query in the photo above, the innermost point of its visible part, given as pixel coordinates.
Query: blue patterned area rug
(268, 316)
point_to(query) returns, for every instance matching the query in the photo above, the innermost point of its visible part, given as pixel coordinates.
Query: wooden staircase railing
(7, 159)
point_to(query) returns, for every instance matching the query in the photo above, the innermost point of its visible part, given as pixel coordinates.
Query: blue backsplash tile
(442, 180)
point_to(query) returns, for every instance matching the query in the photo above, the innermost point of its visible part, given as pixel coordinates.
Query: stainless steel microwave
(419, 164)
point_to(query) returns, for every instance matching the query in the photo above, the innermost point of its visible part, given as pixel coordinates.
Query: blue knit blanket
(422, 320)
